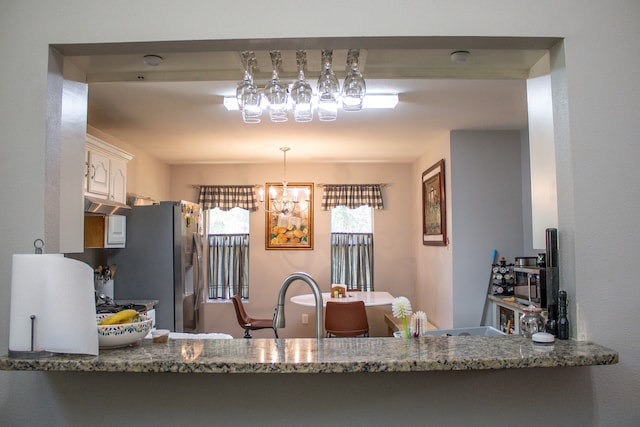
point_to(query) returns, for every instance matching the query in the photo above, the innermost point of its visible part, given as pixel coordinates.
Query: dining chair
(346, 319)
(247, 322)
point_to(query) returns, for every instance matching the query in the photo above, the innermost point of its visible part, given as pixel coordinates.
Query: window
(352, 247)
(228, 239)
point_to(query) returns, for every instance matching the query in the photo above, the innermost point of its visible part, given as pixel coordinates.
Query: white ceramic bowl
(122, 335)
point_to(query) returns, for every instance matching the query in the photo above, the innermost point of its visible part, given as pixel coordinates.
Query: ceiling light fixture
(286, 204)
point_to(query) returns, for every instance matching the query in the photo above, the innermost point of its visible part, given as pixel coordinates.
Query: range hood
(104, 206)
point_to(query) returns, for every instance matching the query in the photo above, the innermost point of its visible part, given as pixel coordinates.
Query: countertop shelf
(332, 355)
(512, 305)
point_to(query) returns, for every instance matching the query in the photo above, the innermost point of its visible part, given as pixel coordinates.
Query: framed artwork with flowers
(434, 206)
(289, 216)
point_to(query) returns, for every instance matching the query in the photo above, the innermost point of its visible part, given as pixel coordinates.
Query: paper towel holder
(30, 354)
(38, 244)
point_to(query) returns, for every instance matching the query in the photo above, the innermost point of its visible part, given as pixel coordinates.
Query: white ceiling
(174, 110)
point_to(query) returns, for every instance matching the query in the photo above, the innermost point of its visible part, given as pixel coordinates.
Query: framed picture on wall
(434, 206)
(289, 217)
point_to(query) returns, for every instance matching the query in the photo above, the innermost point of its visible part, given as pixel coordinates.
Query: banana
(124, 316)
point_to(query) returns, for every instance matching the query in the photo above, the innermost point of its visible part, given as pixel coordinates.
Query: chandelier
(278, 97)
(289, 199)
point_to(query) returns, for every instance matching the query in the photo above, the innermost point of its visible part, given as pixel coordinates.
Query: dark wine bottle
(551, 326)
(563, 321)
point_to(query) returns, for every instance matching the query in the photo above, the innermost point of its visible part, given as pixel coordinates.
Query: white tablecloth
(370, 299)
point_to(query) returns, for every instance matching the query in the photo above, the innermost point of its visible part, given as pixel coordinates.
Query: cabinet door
(116, 231)
(98, 174)
(118, 181)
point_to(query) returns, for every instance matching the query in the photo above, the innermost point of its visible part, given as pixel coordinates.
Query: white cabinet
(106, 173)
(98, 172)
(105, 231)
(116, 231)
(118, 181)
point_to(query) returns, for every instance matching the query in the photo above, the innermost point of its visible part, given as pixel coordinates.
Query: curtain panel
(352, 260)
(352, 196)
(226, 197)
(228, 265)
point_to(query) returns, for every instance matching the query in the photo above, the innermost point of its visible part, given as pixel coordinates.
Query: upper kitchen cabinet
(106, 173)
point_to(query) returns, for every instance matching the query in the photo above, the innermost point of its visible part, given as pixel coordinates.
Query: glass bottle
(552, 320)
(563, 321)
(531, 321)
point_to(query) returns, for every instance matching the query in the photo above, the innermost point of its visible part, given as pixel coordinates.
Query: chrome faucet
(278, 316)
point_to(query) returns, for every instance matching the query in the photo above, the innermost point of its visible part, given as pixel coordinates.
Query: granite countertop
(326, 355)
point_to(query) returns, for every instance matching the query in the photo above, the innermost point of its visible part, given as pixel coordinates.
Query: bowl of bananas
(122, 329)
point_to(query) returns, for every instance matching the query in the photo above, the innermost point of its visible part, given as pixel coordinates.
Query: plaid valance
(352, 196)
(227, 197)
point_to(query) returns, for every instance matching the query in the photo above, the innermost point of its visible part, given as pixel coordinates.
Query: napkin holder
(338, 291)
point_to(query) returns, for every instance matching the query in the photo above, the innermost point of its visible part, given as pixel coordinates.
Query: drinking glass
(354, 88)
(275, 92)
(328, 89)
(252, 108)
(301, 92)
(248, 59)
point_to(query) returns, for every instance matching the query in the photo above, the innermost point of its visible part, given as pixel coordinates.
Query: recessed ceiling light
(153, 60)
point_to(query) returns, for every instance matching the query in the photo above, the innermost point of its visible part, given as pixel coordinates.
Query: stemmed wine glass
(301, 91)
(328, 89)
(275, 92)
(247, 94)
(354, 88)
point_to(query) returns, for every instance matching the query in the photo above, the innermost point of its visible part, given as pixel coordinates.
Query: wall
(434, 271)
(486, 206)
(527, 231)
(393, 253)
(595, 102)
(543, 163)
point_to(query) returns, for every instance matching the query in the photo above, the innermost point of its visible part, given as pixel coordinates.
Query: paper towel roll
(59, 292)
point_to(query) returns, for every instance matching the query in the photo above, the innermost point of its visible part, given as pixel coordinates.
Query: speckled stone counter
(337, 355)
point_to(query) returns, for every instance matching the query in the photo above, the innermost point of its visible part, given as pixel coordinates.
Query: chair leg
(246, 331)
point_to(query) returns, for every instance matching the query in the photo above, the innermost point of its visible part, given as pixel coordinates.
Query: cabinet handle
(93, 175)
(87, 172)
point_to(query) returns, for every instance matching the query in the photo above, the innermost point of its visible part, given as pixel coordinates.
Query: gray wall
(596, 132)
(486, 209)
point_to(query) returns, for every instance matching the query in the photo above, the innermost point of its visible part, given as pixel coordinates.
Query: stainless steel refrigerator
(162, 260)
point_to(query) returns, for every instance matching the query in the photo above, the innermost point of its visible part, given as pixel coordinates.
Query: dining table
(370, 298)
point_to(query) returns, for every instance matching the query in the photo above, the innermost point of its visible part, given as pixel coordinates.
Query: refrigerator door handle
(199, 288)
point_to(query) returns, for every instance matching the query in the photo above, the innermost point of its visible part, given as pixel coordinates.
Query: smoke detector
(460, 56)
(153, 60)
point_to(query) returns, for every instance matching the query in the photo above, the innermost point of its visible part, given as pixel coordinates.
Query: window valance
(352, 196)
(226, 197)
